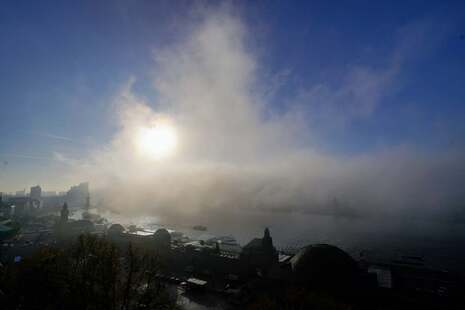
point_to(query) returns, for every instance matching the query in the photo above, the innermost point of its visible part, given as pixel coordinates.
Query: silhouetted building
(77, 195)
(64, 214)
(324, 266)
(21, 205)
(80, 227)
(87, 205)
(49, 194)
(260, 254)
(116, 229)
(5, 211)
(5, 208)
(159, 242)
(8, 228)
(53, 203)
(36, 193)
(162, 239)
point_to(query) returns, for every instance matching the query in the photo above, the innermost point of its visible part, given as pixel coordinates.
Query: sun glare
(157, 142)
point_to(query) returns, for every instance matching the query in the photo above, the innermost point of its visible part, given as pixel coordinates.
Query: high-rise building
(49, 194)
(36, 193)
(77, 195)
(87, 206)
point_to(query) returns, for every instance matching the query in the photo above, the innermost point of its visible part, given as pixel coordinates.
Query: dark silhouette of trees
(91, 274)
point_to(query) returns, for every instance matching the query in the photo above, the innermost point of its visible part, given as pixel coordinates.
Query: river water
(442, 245)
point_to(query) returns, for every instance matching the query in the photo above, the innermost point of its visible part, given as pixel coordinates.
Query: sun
(157, 142)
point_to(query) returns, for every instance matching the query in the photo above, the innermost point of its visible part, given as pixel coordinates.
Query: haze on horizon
(373, 131)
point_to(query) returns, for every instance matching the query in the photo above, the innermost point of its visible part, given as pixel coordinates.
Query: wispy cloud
(53, 136)
(64, 159)
(26, 156)
(55, 156)
(327, 106)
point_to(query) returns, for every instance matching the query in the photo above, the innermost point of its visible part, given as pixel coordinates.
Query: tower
(36, 193)
(87, 206)
(64, 213)
(260, 254)
(267, 241)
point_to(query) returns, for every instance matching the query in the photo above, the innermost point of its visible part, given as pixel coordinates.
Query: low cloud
(233, 155)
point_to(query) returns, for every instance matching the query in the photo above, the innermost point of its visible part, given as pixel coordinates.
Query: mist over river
(441, 244)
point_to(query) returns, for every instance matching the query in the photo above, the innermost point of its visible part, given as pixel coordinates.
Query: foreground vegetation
(91, 274)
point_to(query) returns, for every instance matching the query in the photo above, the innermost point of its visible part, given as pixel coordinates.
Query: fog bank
(236, 153)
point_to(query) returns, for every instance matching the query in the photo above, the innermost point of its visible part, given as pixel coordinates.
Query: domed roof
(162, 236)
(116, 229)
(162, 232)
(323, 265)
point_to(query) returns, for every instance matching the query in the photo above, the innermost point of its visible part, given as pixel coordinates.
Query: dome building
(116, 229)
(162, 239)
(324, 266)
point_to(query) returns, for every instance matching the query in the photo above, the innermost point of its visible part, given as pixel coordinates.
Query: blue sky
(63, 62)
